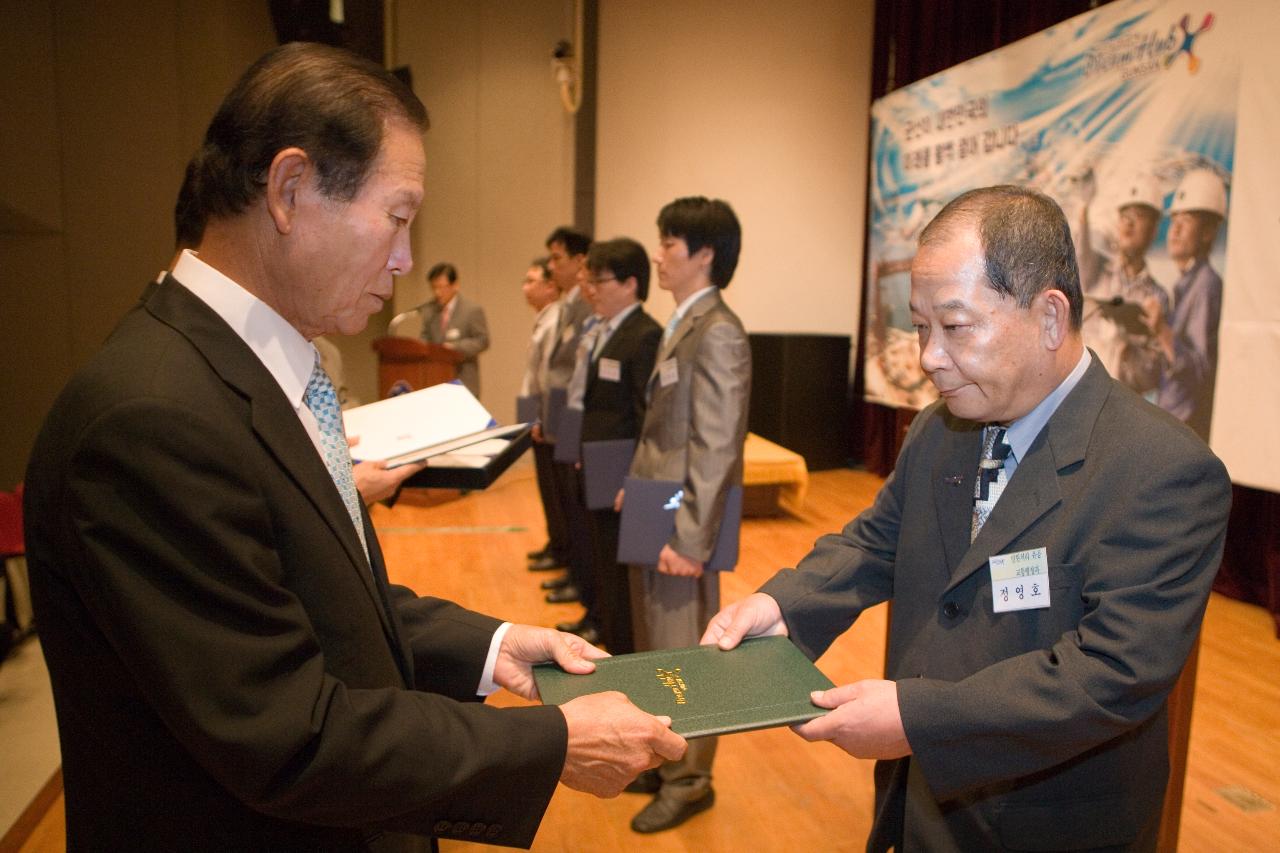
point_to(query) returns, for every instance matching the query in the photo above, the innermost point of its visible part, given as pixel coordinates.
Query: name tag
(668, 373)
(453, 334)
(610, 369)
(1020, 581)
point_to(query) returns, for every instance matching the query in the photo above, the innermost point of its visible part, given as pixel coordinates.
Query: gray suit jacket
(564, 351)
(467, 332)
(231, 672)
(694, 427)
(1037, 727)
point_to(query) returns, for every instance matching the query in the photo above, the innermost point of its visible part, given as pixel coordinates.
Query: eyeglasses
(598, 281)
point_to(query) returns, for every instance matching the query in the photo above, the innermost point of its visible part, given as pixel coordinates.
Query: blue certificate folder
(649, 520)
(604, 468)
(569, 436)
(528, 409)
(556, 399)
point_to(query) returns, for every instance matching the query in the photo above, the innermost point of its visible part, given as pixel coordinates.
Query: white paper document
(421, 424)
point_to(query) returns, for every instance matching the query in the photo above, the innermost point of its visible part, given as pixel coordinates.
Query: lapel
(455, 314)
(1034, 488)
(273, 419)
(690, 321)
(952, 478)
(616, 341)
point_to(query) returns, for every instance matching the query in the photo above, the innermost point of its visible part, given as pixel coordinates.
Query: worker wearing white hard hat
(1189, 340)
(1117, 288)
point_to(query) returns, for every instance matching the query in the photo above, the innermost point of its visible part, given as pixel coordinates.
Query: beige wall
(499, 161)
(765, 107)
(103, 103)
(762, 104)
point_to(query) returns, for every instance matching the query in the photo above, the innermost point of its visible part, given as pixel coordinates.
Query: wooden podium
(414, 362)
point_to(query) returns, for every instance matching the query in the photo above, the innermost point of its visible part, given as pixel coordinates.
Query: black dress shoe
(545, 564)
(590, 634)
(556, 582)
(647, 782)
(668, 812)
(571, 627)
(567, 594)
(544, 551)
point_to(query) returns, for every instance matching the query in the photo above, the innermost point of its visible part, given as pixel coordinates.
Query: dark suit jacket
(614, 409)
(230, 671)
(1037, 729)
(694, 428)
(467, 332)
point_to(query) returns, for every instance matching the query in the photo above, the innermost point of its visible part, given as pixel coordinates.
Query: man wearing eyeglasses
(620, 360)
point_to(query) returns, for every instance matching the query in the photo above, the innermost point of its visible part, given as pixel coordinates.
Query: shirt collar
(1025, 429)
(286, 354)
(683, 307)
(612, 324)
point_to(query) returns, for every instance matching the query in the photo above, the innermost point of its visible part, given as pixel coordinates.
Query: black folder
(604, 467)
(649, 520)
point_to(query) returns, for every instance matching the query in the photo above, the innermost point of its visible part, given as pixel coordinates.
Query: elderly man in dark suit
(455, 322)
(1048, 541)
(693, 433)
(231, 668)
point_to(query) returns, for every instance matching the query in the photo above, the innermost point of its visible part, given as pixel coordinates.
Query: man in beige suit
(694, 428)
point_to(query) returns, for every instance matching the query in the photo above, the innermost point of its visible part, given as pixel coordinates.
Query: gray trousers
(670, 612)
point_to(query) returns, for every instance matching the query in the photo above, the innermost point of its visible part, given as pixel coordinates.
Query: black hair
(449, 271)
(701, 221)
(624, 258)
(1026, 242)
(188, 220)
(543, 263)
(574, 242)
(329, 102)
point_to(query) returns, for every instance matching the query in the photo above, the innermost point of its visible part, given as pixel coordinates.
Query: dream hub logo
(1138, 53)
(1188, 41)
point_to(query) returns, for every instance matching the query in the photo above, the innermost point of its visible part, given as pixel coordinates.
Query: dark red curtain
(916, 38)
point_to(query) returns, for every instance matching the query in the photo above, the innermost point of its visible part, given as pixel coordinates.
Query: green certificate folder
(764, 682)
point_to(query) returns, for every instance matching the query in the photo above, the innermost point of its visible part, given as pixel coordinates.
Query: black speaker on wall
(799, 395)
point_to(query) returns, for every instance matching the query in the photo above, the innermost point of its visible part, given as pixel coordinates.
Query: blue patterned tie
(671, 326)
(581, 363)
(322, 400)
(991, 477)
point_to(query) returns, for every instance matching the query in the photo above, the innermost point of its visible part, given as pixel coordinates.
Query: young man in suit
(231, 668)
(620, 362)
(567, 255)
(693, 433)
(455, 322)
(1048, 540)
(542, 295)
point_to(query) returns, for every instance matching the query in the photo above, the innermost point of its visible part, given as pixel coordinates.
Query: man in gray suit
(1035, 635)
(567, 255)
(693, 432)
(456, 322)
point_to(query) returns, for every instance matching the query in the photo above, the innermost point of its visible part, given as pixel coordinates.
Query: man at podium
(453, 321)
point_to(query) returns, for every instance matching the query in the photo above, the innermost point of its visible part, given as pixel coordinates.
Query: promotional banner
(1132, 118)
